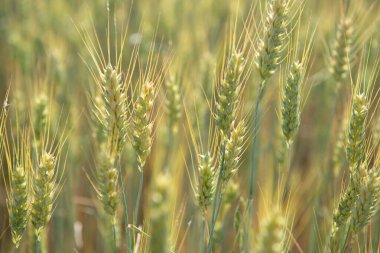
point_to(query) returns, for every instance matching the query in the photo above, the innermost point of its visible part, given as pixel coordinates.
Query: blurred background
(43, 60)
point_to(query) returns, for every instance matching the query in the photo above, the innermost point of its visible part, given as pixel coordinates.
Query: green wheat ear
(342, 50)
(40, 115)
(368, 200)
(18, 203)
(233, 152)
(228, 93)
(357, 130)
(44, 192)
(290, 109)
(270, 47)
(173, 103)
(141, 122)
(342, 215)
(115, 106)
(17, 157)
(206, 181)
(107, 184)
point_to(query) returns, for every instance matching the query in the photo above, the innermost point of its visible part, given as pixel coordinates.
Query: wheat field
(190, 126)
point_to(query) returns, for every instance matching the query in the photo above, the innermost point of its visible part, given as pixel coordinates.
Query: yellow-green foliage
(189, 126)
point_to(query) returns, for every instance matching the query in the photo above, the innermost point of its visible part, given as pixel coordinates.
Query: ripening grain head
(17, 153)
(270, 46)
(228, 93)
(142, 123)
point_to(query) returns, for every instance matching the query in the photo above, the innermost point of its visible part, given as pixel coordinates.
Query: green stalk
(347, 239)
(326, 176)
(253, 162)
(114, 238)
(37, 245)
(216, 205)
(138, 199)
(376, 242)
(203, 234)
(121, 182)
(286, 173)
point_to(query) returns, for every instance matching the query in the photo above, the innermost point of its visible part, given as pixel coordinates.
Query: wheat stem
(37, 245)
(253, 162)
(125, 205)
(216, 205)
(114, 238)
(285, 176)
(326, 175)
(347, 238)
(203, 234)
(138, 198)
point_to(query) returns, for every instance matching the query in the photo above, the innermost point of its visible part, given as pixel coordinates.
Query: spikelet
(356, 131)
(342, 49)
(18, 203)
(44, 192)
(228, 93)
(40, 115)
(173, 104)
(290, 109)
(100, 134)
(159, 213)
(206, 181)
(142, 125)
(234, 146)
(342, 214)
(345, 206)
(107, 184)
(115, 106)
(369, 198)
(272, 237)
(339, 156)
(270, 47)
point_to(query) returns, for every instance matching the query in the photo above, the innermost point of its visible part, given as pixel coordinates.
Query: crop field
(189, 126)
